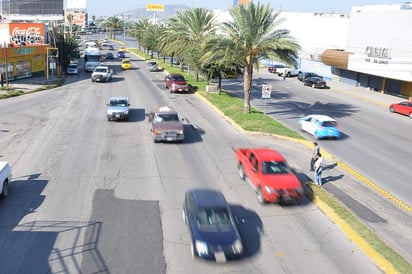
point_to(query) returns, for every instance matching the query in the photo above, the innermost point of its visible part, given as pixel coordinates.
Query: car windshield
(213, 217)
(118, 103)
(152, 63)
(100, 70)
(177, 78)
(72, 66)
(126, 62)
(329, 124)
(273, 167)
(170, 117)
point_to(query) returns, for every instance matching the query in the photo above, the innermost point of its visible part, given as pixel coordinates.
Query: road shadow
(250, 227)
(136, 115)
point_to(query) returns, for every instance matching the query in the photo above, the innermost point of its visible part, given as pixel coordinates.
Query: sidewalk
(30, 84)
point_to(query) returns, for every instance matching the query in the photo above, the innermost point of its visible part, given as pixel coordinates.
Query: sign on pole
(266, 91)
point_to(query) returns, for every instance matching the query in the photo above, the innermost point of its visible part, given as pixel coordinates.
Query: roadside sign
(266, 91)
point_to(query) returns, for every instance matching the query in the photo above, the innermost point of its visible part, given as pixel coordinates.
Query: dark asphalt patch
(128, 239)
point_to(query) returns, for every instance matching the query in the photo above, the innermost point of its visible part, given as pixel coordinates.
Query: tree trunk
(247, 86)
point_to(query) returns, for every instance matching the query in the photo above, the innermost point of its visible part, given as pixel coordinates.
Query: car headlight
(180, 132)
(201, 247)
(270, 190)
(237, 247)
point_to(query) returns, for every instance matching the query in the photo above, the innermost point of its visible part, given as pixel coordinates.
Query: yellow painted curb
(377, 258)
(375, 187)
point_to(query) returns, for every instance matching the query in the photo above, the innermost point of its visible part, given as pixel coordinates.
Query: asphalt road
(374, 142)
(92, 196)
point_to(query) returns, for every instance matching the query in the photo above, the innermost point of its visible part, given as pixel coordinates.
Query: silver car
(72, 68)
(118, 108)
(152, 66)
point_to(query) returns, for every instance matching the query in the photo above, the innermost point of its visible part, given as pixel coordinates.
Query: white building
(378, 53)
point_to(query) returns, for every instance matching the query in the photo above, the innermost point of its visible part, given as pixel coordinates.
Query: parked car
(152, 66)
(213, 230)
(109, 55)
(404, 108)
(320, 126)
(118, 108)
(166, 125)
(72, 69)
(267, 171)
(304, 75)
(110, 47)
(126, 64)
(274, 68)
(176, 82)
(121, 54)
(315, 82)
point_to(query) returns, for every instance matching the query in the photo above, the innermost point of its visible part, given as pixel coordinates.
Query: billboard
(79, 17)
(26, 34)
(155, 7)
(32, 7)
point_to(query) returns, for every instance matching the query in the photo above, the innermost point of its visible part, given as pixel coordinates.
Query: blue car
(213, 230)
(320, 126)
(121, 54)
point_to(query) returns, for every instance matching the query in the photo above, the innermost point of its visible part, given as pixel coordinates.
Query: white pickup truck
(5, 178)
(289, 72)
(102, 74)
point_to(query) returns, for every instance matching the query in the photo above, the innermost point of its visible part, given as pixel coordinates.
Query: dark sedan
(315, 82)
(404, 108)
(305, 75)
(109, 55)
(121, 54)
(212, 226)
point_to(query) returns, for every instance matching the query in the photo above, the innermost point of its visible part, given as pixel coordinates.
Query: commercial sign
(240, 2)
(155, 7)
(26, 34)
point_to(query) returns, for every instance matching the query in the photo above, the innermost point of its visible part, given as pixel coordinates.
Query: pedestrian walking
(315, 152)
(284, 73)
(318, 169)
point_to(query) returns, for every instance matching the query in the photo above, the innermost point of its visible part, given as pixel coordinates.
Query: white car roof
(321, 117)
(118, 98)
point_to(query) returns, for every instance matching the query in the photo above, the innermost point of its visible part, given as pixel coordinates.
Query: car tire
(241, 172)
(410, 115)
(391, 109)
(170, 90)
(315, 136)
(5, 191)
(313, 86)
(259, 196)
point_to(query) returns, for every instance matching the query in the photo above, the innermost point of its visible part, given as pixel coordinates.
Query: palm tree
(185, 34)
(70, 20)
(252, 34)
(113, 24)
(139, 29)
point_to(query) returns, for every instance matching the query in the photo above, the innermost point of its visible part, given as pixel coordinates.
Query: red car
(176, 82)
(267, 171)
(404, 108)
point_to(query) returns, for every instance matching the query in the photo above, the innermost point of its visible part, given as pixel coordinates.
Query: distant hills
(135, 15)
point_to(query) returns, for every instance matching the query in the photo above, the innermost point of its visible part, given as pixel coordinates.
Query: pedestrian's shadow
(330, 179)
(331, 166)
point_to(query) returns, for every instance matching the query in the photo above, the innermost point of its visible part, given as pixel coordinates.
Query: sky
(110, 7)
